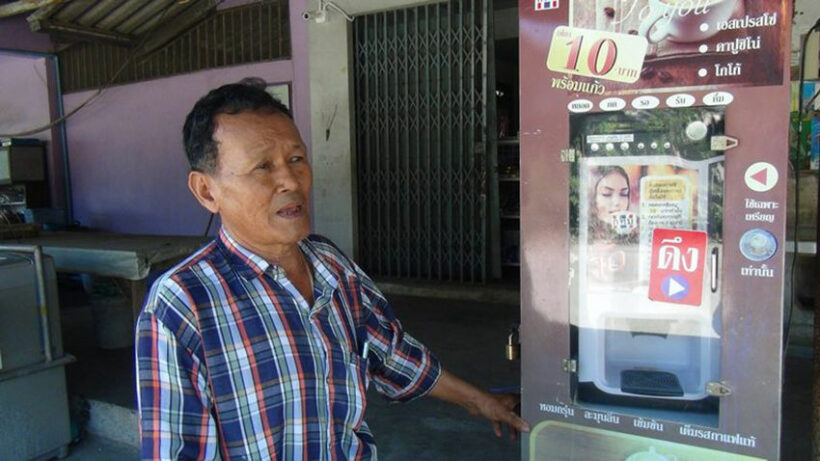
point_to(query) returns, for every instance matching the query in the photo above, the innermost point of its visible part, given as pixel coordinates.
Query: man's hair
(197, 134)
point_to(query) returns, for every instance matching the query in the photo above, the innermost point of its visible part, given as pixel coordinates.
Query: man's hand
(498, 408)
(501, 410)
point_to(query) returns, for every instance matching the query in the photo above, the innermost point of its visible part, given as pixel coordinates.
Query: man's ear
(201, 185)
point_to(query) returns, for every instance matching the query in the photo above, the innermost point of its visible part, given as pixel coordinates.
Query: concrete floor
(467, 336)
(93, 448)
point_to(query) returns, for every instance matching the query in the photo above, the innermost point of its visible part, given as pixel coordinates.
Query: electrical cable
(324, 4)
(800, 111)
(101, 89)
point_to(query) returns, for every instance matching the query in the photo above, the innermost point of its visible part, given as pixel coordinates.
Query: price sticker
(597, 54)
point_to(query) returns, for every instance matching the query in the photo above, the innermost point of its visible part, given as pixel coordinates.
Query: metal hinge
(568, 155)
(569, 365)
(723, 143)
(718, 389)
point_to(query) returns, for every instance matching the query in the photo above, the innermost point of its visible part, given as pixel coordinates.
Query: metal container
(33, 397)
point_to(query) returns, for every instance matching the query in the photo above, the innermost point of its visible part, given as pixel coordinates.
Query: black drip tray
(648, 382)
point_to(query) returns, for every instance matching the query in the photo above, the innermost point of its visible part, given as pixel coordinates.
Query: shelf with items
(509, 204)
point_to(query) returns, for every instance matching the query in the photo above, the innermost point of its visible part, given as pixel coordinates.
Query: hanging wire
(134, 52)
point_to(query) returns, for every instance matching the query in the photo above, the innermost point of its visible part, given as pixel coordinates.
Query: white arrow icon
(675, 288)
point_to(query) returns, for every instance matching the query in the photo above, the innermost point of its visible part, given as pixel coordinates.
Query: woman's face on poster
(611, 195)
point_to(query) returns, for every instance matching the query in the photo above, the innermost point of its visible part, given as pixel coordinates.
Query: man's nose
(285, 178)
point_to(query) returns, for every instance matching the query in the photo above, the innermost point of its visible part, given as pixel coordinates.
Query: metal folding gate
(421, 155)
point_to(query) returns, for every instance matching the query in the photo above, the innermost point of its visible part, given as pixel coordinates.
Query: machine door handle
(715, 263)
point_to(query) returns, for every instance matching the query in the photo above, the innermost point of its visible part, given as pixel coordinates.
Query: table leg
(138, 291)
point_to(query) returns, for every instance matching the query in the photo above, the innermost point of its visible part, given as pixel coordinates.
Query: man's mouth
(291, 212)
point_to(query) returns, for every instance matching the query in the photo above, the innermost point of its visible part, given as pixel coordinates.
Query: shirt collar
(245, 262)
(322, 275)
(250, 265)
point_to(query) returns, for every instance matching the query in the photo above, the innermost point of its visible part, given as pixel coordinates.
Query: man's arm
(173, 398)
(498, 408)
(404, 369)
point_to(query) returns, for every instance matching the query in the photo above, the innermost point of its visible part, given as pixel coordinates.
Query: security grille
(421, 118)
(251, 33)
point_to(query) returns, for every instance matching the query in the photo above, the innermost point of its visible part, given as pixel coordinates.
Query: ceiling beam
(24, 6)
(82, 32)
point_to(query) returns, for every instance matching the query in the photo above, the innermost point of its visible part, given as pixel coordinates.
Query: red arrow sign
(762, 176)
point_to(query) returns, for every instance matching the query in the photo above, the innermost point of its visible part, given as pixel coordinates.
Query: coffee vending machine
(654, 158)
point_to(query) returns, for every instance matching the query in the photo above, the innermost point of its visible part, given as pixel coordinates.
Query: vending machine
(654, 152)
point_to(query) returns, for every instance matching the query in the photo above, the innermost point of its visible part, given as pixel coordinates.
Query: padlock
(513, 349)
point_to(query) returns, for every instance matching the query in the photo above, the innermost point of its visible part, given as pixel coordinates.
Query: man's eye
(263, 166)
(297, 159)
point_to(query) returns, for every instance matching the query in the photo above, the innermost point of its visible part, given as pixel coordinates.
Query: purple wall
(28, 93)
(15, 34)
(24, 102)
(128, 167)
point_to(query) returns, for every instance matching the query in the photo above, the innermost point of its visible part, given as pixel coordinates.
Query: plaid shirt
(232, 359)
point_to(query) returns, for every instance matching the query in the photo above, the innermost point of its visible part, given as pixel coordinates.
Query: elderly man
(261, 344)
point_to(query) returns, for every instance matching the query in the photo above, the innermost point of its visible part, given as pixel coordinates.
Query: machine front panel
(653, 207)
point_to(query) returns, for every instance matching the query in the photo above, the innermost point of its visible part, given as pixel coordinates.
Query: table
(125, 257)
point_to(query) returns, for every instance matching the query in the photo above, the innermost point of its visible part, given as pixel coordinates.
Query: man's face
(261, 185)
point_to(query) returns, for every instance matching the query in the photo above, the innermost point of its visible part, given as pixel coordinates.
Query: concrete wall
(334, 212)
(128, 167)
(24, 101)
(331, 96)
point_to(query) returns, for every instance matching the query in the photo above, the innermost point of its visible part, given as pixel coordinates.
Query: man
(261, 345)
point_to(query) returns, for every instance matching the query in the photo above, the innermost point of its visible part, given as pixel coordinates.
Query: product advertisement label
(652, 44)
(591, 53)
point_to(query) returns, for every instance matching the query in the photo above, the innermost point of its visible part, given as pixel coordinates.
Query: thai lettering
(650, 424)
(748, 22)
(758, 217)
(562, 410)
(707, 434)
(752, 271)
(670, 256)
(761, 204)
(576, 86)
(602, 417)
